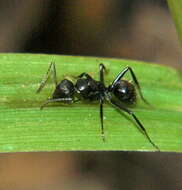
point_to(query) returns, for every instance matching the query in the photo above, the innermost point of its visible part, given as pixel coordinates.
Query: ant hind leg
(119, 106)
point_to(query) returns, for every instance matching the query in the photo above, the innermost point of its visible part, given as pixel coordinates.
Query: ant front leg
(52, 68)
(65, 100)
(141, 127)
(122, 73)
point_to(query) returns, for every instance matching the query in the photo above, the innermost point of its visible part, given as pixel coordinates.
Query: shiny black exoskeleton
(120, 93)
(88, 89)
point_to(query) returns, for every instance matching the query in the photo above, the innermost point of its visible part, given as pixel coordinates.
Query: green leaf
(176, 11)
(24, 127)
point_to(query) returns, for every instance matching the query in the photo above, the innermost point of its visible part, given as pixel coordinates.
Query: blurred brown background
(135, 29)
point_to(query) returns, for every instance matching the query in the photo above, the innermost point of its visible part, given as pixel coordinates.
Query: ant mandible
(120, 93)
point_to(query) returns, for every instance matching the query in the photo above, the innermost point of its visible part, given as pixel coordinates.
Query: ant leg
(101, 120)
(44, 81)
(65, 100)
(141, 127)
(101, 100)
(102, 69)
(121, 74)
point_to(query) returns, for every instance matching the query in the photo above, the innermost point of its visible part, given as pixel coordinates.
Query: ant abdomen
(125, 92)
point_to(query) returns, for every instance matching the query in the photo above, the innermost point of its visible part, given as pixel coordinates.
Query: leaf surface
(24, 127)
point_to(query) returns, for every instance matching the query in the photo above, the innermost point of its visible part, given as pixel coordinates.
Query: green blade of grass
(24, 127)
(176, 11)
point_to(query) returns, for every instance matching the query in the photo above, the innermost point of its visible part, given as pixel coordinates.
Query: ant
(119, 94)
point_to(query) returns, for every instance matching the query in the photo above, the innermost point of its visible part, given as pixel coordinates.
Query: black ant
(120, 93)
